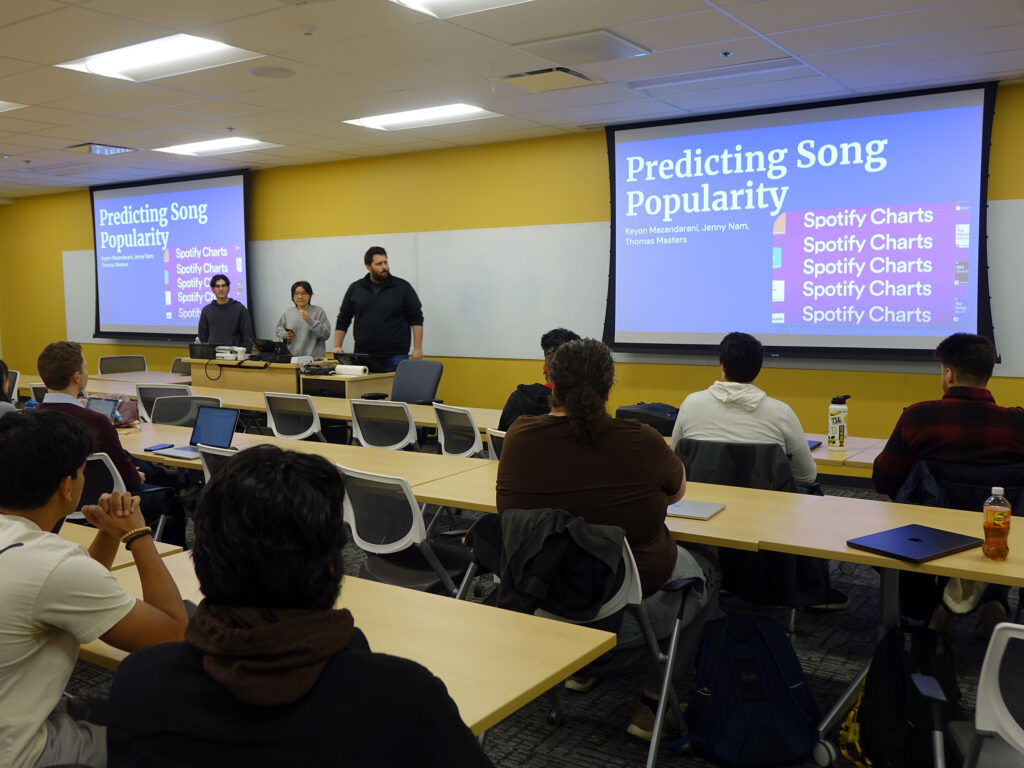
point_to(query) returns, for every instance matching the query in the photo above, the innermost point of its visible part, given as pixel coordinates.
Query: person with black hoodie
(534, 399)
(271, 673)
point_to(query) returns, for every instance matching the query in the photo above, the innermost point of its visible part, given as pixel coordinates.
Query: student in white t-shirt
(56, 595)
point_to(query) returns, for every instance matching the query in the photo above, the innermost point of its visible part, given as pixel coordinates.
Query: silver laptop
(105, 405)
(695, 510)
(214, 426)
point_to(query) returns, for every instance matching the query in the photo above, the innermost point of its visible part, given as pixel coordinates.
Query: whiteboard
(492, 293)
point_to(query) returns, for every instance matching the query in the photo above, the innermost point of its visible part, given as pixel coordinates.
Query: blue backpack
(750, 706)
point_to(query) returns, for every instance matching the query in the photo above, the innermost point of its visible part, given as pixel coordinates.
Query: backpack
(661, 416)
(891, 724)
(751, 706)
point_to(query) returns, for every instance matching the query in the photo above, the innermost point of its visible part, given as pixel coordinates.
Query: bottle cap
(997, 491)
(840, 399)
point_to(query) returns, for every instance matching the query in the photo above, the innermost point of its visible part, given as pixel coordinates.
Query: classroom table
(253, 375)
(845, 462)
(346, 386)
(139, 377)
(84, 534)
(414, 466)
(491, 660)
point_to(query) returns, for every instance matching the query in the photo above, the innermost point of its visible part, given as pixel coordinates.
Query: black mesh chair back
(38, 392)
(293, 417)
(101, 476)
(122, 363)
(382, 424)
(383, 519)
(146, 395)
(416, 381)
(12, 385)
(495, 438)
(180, 365)
(180, 410)
(457, 431)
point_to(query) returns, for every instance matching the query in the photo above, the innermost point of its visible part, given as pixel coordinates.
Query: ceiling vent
(587, 48)
(554, 79)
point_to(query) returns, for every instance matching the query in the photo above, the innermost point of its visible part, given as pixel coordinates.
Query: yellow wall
(544, 181)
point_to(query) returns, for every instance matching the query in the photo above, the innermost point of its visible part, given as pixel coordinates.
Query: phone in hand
(159, 447)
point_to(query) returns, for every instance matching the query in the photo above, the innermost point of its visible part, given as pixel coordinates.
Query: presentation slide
(158, 245)
(854, 226)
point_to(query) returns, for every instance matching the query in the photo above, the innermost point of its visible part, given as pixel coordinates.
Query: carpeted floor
(832, 647)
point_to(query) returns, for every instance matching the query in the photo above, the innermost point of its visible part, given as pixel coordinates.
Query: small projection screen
(158, 244)
(843, 229)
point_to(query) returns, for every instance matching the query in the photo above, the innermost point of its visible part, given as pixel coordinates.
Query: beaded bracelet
(142, 532)
(128, 534)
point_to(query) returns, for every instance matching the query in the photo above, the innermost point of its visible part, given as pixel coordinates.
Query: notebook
(812, 444)
(214, 426)
(103, 405)
(694, 510)
(915, 543)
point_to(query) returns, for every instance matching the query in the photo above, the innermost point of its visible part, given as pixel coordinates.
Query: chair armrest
(374, 396)
(425, 402)
(928, 687)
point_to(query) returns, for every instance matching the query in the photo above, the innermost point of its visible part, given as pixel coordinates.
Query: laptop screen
(214, 426)
(103, 405)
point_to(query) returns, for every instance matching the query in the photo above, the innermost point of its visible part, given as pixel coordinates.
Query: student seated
(610, 472)
(733, 410)
(270, 673)
(55, 595)
(533, 399)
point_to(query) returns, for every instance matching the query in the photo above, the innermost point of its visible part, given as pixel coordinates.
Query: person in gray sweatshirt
(305, 327)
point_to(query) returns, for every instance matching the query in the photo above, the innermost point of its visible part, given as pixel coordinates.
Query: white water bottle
(837, 411)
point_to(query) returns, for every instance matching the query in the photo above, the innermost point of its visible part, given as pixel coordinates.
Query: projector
(231, 353)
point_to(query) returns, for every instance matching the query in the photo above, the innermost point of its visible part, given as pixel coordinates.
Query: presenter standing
(386, 309)
(305, 326)
(224, 321)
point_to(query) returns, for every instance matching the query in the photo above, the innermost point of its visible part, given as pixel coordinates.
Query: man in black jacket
(533, 399)
(385, 309)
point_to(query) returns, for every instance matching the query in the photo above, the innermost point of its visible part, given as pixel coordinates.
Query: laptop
(694, 510)
(214, 426)
(812, 444)
(914, 543)
(103, 405)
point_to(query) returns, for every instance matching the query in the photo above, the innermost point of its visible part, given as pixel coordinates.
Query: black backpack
(891, 725)
(751, 706)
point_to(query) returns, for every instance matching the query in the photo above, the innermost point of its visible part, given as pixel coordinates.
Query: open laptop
(104, 405)
(214, 426)
(694, 510)
(914, 543)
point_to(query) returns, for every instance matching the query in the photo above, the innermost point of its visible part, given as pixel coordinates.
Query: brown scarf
(263, 656)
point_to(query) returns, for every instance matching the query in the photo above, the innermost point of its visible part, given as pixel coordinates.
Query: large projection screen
(843, 229)
(158, 244)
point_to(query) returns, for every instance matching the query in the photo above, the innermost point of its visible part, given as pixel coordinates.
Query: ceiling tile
(601, 114)
(12, 11)
(123, 100)
(51, 116)
(221, 108)
(235, 78)
(687, 29)
(572, 97)
(70, 33)
(417, 74)
(41, 85)
(762, 94)
(493, 62)
(769, 16)
(941, 71)
(690, 59)
(523, 134)
(294, 95)
(906, 26)
(182, 15)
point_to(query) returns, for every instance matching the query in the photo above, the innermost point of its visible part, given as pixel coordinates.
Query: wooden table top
(141, 377)
(823, 457)
(415, 467)
(492, 661)
(83, 535)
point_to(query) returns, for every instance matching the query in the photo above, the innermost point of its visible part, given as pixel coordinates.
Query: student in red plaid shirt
(964, 427)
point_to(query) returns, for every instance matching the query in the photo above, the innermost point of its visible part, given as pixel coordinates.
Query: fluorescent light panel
(420, 118)
(164, 57)
(7, 106)
(217, 147)
(446, 9)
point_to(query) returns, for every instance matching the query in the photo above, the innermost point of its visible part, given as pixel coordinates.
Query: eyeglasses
(300, 293)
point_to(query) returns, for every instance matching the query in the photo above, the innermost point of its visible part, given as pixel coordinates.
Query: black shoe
(837, 601)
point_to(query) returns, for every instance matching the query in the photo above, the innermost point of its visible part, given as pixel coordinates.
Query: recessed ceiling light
(6, 106)
(164, 57)
(419, 118)
(446, 9)
(217, 147)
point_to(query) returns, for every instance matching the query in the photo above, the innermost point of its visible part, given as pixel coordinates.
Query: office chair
(121, 363)
(212, 458)
(146, 395)
(293, 417)
(387, 524)
(180, 365)
(416, 382)
(495, 439)
(179, 410)
(457, 431)
(38, 392)
(382, 424)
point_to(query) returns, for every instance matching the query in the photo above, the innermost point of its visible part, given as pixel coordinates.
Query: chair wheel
(824, 753)
(555, 717)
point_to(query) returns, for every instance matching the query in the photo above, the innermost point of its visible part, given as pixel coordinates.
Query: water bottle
(837, 411)
(997, 525)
